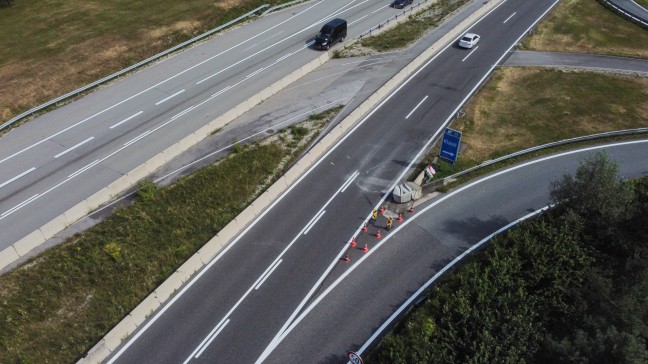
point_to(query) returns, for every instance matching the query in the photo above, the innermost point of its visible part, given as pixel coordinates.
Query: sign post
(354, 358)
(450, 145)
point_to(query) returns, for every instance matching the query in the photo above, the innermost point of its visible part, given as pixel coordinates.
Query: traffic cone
(378, 235)
(400, 217)
(365, 228)
(382, 209)
(365, 248)
(346, 258)
(353, 243)
(411, 210)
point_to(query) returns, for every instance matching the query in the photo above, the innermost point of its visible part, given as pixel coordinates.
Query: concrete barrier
(98, 198)
(120, 332)
(8, 256)
(74, 213)
(245, 217)
(54, 226)
(209, 250)
(29, 242)
(121, 184)
(168, 287)
(97, 354)
(155, 162)
(190, 267)
(145, 309)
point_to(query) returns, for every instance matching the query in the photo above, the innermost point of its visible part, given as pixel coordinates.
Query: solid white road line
(379, 9)
(268, 274)
(17, 207)
(73, 147)
(469, 54)
(509, 18)
(170, 97)
(416, 107)
(127, 119)
(182, 112)
(349, 181)
(137, 138)
(314, 221)
(83, 169)
(18, 176)
(220, 328)
(357, 20)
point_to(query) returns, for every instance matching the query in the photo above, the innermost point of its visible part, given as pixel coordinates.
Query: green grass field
(585, 26)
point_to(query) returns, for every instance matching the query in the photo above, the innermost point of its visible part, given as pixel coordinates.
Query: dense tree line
(569, 286)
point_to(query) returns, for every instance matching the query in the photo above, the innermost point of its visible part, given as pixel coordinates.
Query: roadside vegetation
(569, 286)
(51, 47)
(405, 33)
(586, 26)
(643, 3)
(57, 305)
(523, 107)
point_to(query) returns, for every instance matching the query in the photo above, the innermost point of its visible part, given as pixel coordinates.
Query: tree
(596, 192)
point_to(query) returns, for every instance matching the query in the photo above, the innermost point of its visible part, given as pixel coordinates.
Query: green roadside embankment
(57, 305)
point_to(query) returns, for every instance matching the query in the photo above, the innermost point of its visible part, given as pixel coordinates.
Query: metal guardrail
(551, 145)
(128, 69)
(277, 7)
(394, 18)
(643, 22)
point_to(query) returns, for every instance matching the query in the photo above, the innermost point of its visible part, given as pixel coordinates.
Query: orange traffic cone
(365, 248)
(353, 243)
(400, 217)
(378, 235)
(411, 210)
(365, 228)
(382, 209)
(346, 258)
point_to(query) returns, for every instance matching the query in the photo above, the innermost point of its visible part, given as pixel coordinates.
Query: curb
(156, 299)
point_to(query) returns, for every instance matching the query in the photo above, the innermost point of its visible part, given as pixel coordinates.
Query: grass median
(407, 32)
(58, 305)
(586, 26)
(524, 107)
(51, 47)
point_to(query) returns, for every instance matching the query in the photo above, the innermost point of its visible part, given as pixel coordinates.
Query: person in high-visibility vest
(374, 214)
(390, 220)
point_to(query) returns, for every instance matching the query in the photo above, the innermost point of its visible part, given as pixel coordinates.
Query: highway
(61, 158)
(243, 301)
(351, 307)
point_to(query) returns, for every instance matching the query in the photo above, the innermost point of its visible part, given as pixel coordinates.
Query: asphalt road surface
(241, 303)
(59, 159)
(633, 8)
(351, 307)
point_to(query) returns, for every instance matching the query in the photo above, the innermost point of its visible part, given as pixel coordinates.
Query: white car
(469, 40)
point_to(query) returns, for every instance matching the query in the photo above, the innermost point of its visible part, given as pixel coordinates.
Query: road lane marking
(170, 97)
(357, 20)
(213, 335)
(127, 119)
(471, 52)
(416, 107)
(314, 221)
(254, 73)
(137, 138)
(18, 176)
(83, 169)
(349, 181)
(509, 18)
(19, 206)
(182, 112)
(379, 9)
(73, 147)
(266, 275)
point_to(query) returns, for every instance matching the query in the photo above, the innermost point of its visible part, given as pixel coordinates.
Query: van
(332, 32)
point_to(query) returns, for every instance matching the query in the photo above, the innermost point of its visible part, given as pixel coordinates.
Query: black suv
(332, 32)
(399, 4)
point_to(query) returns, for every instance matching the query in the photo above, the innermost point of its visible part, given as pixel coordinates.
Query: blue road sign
(450, 145)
